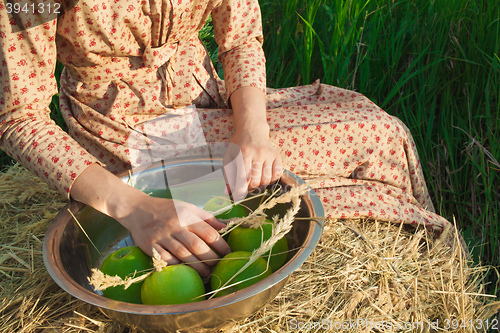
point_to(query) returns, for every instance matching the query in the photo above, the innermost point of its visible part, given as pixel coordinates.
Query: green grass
(435, 64)
(432, 63)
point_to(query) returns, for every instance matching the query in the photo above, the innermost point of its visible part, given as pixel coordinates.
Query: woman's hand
(179, 231)
(251, 159)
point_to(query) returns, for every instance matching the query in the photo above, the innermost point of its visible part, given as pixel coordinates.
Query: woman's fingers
(207, 231)
(256, 174)
(189, 249)
(277, 169)
(250, 165)
(209, 236)
(236, 172)
(180, 232)
(266, 172)
(196, 246)
(165, 255)
(197, 242)
(203, 228)
(200, 215)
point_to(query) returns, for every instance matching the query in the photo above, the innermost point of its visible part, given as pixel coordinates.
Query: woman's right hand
(179, 231)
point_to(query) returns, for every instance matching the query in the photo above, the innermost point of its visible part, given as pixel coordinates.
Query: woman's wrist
(100, 189)
(255, 129)
(249, 110)
(122, 204)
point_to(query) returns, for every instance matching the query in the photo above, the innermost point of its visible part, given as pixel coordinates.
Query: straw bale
(362, 275)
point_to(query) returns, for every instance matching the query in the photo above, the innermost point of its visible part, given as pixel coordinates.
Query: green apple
(174, 284)
(250, 239)
(218, 203)
(230, 265)
(124, 262)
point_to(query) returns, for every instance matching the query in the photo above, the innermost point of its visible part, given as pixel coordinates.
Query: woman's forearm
(261, 162)
(249, 109)
(105, 192)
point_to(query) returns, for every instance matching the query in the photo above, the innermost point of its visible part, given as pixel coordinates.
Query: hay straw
(100, 281)
(360, 270)
(83, 230)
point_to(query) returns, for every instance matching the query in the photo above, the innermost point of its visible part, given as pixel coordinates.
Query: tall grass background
(435, 64)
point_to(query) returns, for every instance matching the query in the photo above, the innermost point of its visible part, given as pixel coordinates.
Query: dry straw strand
(158, 262)
(83, 230)
(100, 281)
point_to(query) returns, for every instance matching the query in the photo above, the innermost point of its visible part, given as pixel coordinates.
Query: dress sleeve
(238, 32)
(27, 84)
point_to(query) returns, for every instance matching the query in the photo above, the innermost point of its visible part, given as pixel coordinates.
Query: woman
(129, 63)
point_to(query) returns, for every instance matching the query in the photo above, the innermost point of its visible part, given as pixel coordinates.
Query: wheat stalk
(256, 218)
(100, 281)
(158, 262)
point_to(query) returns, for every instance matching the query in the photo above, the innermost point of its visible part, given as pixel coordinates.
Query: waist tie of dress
(159, 59)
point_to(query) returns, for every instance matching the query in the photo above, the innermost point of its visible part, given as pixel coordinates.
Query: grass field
(435, 64)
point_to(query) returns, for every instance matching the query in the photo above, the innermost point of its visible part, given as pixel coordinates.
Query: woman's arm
(238, 32)
(261, 161)
(27, 84)
(177, 230)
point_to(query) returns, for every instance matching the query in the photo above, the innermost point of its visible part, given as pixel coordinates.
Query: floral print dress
(136, 75)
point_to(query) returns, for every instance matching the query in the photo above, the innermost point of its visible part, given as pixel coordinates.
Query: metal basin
(69, 255)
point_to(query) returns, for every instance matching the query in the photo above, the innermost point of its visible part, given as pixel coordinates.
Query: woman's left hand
(251, 161)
